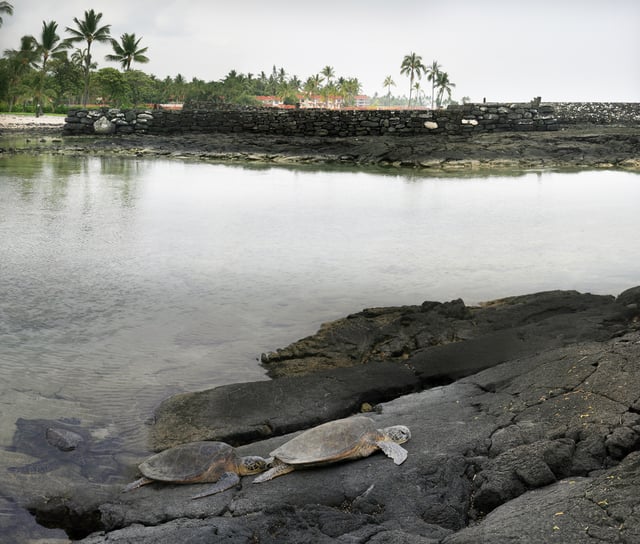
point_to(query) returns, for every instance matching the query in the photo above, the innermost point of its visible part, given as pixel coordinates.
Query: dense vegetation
(47, 72)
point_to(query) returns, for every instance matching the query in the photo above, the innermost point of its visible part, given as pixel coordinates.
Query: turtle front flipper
(138, 483)
(393, 450)
(226, 481)
(276, 470)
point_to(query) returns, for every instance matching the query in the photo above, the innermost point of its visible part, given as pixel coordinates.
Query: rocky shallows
(525, 422)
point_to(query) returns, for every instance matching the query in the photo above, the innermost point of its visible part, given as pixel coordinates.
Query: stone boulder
(104, 126)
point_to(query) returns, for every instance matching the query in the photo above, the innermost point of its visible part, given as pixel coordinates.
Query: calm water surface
(123, 281)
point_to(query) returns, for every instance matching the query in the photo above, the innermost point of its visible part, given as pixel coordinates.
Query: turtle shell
(333, 441)
(193, 462)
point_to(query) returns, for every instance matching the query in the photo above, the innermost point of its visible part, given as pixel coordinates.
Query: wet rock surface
(535, 441)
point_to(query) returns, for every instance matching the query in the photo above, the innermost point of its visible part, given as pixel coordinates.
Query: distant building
(332, 102)
(270, 101)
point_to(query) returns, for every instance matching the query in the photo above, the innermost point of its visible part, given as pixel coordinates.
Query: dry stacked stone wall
(458, 119)
(598, 113)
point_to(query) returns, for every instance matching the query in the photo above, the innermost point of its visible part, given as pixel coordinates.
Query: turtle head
(398, 433)
(252, 464)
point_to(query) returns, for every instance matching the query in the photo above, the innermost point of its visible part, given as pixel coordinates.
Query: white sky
(511, 50)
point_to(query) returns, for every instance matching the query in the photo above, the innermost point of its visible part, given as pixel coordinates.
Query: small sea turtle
(339, 440)
(198, 462)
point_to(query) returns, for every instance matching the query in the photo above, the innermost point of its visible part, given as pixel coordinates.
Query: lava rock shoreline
(575, 146)
(525, 420)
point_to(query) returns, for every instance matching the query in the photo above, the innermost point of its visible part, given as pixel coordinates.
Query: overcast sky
(573, 50)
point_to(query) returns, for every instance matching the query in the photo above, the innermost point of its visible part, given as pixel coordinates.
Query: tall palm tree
(7, 8)
(432, 75)
(388, 83)
(412, 66)
(88, 30)
(50, 45)
(329, 88)
(444, 86)
(127, 51)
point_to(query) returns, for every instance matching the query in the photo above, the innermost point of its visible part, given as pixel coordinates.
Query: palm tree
(88, 30)
(419, 92)
(329, 89)
(349, 89)
(444, 86)
(413, 67)
(312, 86)
(7, 8)
(388, 83)
(432, 75)
(127, 51)
(328, 73)
(49, 46)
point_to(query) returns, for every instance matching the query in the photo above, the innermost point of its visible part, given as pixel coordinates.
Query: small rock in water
(63, 439)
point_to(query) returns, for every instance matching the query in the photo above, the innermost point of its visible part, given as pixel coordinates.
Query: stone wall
(319, 122)
(458, 119)
(598, 113)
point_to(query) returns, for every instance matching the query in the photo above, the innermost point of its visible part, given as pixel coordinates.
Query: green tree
(444, 86)
(388, 83)
(412, 66)
(329, 73)
(349, 89)
(88, 30)
(111, 85)
(419, 93)
(141, 88)
(128, 51)
(21, 63)
(329, 90)
(50, 45)
(65, 81)
(312, 85)
(5, 7)
(432, 75)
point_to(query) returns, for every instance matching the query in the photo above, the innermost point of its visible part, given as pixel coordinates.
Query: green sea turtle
(198, 462)
(339, 440)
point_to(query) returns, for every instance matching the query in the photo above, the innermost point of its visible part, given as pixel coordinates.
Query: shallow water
(123, 281)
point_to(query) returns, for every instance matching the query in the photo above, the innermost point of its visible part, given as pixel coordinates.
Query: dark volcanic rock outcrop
(379, 354)
(536, 443)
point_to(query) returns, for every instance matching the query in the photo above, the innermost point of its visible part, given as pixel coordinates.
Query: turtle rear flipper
(138, 483)
(226, 481)
(275, 471)
(393, 450)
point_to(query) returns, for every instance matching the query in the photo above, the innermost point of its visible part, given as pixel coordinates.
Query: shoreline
(520, 417)
(587, 146)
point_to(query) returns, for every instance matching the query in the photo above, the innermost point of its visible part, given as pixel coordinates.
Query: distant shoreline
(588, 146)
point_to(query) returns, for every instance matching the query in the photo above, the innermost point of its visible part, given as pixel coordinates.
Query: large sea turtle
(339, 440)
(198, 462)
